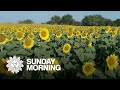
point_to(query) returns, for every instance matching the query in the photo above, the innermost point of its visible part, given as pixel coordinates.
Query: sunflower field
(84, 52)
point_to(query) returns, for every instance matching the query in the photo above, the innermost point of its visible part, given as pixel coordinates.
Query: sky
(44, 16)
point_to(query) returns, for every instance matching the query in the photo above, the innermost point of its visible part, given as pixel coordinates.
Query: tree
(55, 19)
(49, 22)
(108, 22)
(76, 23)
(117, 22)
(28, 21)
(67, 19)
(93, 20)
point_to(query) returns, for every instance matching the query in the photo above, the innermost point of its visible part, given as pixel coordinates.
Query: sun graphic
(66, 48)
(88, 68)
(28, 43)
(112, 62)
(44, 34)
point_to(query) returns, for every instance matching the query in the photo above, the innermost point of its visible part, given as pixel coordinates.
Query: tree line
(89, 20)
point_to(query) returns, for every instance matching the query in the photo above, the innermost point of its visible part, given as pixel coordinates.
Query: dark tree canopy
(93, 20)
(117, 22)
(67, 19)
(89, 20)
(28, 21)
(55, 19)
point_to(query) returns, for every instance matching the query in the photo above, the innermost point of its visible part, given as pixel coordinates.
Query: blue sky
(44, 16)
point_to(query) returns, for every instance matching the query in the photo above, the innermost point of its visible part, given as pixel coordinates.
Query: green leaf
(17, 42)
(64, 60)
(26, 75)
(93, 40)
(9, 46)
(78, 74)
(89, 56)
(111, 73)
(69, 66)
(24, 52)
(83, 76)
(99, 74)
(3, 54)
(92, 48)
(119, 73)
(37, 52)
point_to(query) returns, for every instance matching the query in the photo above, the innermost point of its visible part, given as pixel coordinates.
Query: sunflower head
(28, 43)
(88, 68)
(114, 33)
(31, 35)
(78, 33)
(3, 39)
(107, 29)
(19, 35)
(97, 35)
(44, 34)
(84, 35)
(66, 48)
(70, 34)
(91, 31)
(3, 69)
(112, 62)
(58, 34)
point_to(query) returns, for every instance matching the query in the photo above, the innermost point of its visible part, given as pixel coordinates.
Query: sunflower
(107, 29)
(90, 41)
(9, 36)
(84, 35)
(19, 35)
(88, 68)
(3, 39)
(114, 33)
(53, 32)
(76, 44)
(31, 35)
(112, 62)
(58, 34)
(44, 34)
(53, 71)
(3, 69)
(78, 33)
(92, 31)
(48, 40)
(28, 43)
(97, 35)
(66, 48)
(70, 34)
